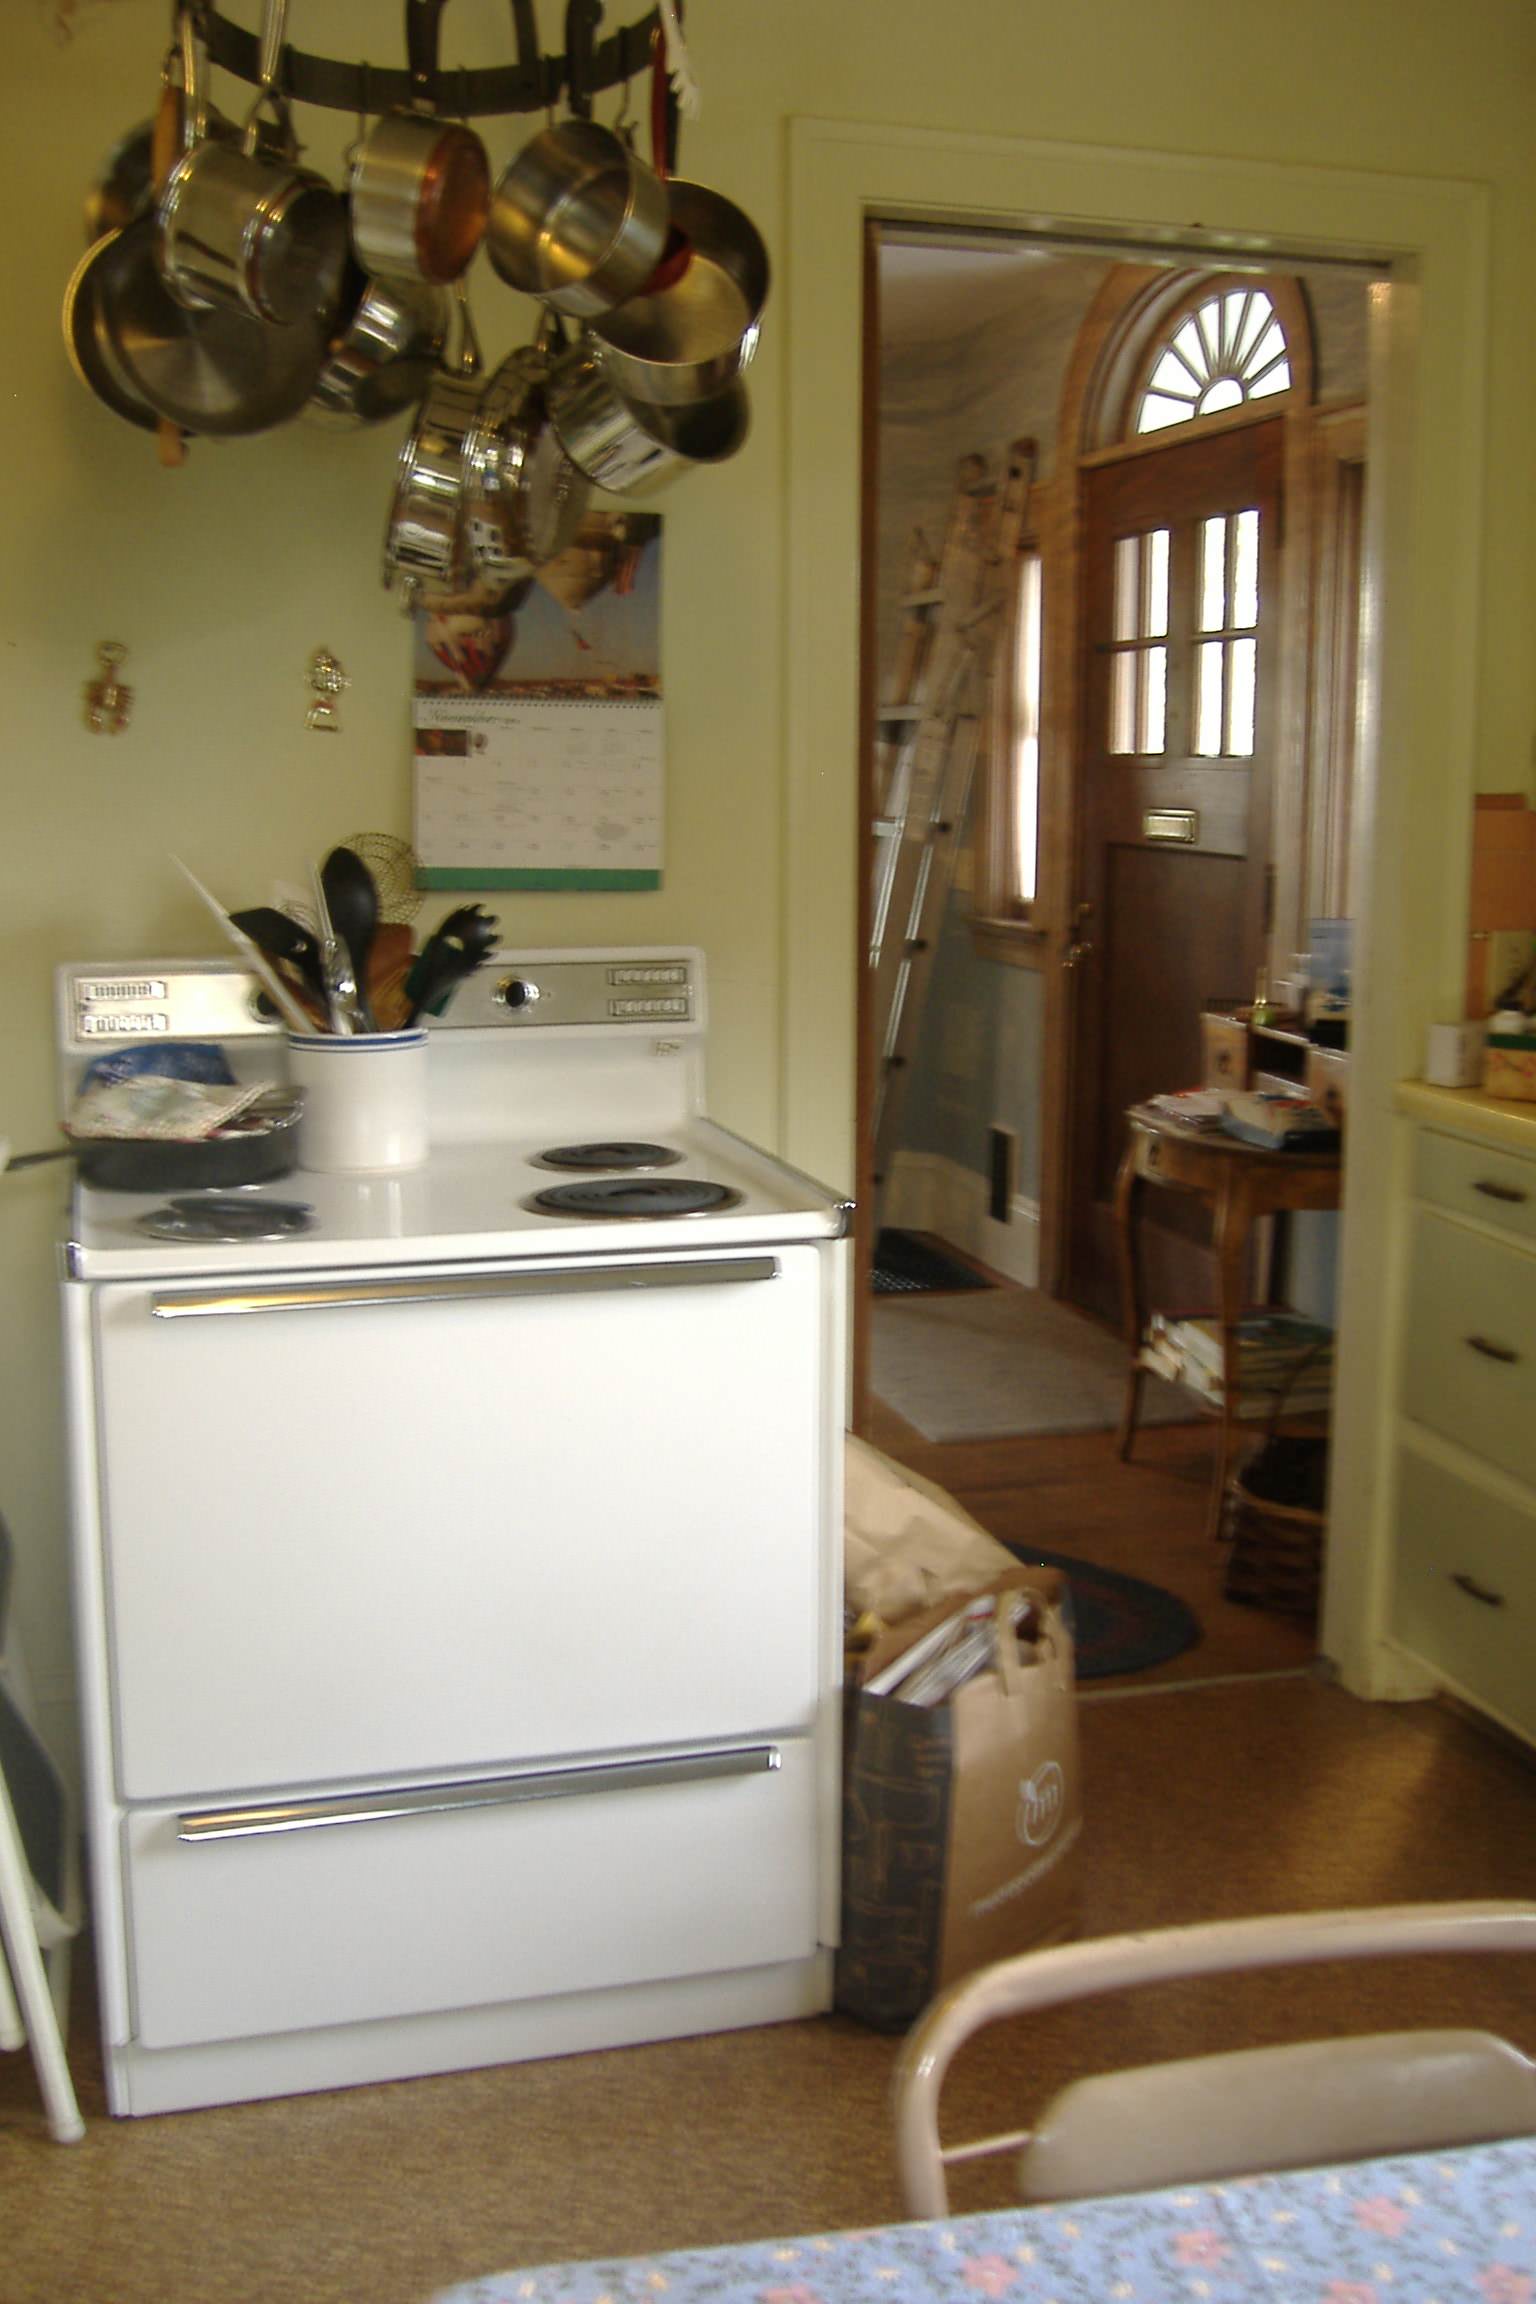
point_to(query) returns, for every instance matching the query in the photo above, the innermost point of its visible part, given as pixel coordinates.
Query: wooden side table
(1242, 1182)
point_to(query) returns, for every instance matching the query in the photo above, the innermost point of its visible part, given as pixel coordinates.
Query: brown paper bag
(960, 1822)
(907, 1543)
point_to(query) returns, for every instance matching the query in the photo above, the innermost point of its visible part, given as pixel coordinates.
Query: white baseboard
(929, 1192)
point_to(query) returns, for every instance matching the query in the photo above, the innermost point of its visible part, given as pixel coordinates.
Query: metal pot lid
(618, 1154)
(635, 1196)
(211, 370)
(226, 1216)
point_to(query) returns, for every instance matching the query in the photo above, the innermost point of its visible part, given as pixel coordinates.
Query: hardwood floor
(1070, 1492)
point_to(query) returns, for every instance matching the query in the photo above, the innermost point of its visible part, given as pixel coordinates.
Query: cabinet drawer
(1471, 1357)
(1465, 1587)
(471, 1905)
(1496, 1187)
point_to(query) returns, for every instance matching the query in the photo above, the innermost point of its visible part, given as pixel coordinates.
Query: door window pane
(1213, 574)
(1241, 703)
(1208, 685)
(1245, 570)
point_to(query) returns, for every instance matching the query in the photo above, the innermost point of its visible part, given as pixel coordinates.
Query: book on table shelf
(1276, 1349)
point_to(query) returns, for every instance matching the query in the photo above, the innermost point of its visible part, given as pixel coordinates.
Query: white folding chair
(40, 1893)
(1207, 2117)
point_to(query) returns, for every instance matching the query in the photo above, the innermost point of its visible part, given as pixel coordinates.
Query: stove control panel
(614, 991)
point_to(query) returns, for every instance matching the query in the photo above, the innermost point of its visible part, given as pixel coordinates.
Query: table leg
(1126, 1181)
(1232, 1218)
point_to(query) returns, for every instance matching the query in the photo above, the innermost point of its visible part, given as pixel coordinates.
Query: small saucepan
(243, 229)
(623, 444)
(386, 343)
(523, 497)
(689, 332)
(577, 219)
(420, 185)
(424, 540)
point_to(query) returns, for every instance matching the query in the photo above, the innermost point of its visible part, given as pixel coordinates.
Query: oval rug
(1119, 1623)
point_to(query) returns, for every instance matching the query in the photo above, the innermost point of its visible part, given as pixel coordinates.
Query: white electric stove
(458, 1556)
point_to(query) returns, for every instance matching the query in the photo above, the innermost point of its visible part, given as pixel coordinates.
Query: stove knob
(516, 992)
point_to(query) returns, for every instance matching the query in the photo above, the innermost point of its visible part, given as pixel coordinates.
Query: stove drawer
(512, 1889)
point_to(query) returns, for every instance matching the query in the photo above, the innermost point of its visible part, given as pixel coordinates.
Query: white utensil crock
(365, 1100)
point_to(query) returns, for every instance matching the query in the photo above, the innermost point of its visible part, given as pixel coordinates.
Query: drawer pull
(1476, 1591)
(1492, 1351)
(1492, 1191)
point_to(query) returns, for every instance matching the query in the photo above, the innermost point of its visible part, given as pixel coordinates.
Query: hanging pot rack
(534, 83)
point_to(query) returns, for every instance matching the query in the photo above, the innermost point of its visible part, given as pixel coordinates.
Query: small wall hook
(327, 679)
(108, 700)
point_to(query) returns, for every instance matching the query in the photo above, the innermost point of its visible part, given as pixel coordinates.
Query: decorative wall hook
(107, 699)
(327, 679)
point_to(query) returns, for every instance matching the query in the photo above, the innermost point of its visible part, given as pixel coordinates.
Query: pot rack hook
(582, 17)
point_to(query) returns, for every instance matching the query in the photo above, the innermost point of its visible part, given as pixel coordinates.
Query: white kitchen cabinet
(1463, 1579)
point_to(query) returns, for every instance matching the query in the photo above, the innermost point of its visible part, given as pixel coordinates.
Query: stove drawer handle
(341, 1295)
(198, 1825)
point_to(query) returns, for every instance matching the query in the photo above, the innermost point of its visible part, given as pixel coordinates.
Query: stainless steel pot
(248, 230)
(687, 335)
(383, 353)
(424, 540)
(523, 497)
(420, 185)
(577, 219)
(622, 444)
(87, 349)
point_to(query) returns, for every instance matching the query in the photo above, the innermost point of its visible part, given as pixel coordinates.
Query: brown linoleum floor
(1225, 1798)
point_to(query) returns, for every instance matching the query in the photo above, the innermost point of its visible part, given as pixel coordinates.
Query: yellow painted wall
(223, 578)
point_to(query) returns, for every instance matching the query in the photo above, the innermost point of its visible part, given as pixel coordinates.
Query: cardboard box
(961, 1821)
(1509, 1066)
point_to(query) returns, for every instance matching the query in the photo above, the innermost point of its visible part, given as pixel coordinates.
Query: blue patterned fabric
(1429, 2228)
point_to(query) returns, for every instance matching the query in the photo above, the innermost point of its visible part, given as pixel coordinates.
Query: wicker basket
(1273, 1517)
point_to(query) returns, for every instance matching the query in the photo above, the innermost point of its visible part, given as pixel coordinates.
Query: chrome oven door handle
(340, 1295)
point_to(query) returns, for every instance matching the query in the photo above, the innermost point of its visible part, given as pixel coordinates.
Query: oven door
(363, 1525)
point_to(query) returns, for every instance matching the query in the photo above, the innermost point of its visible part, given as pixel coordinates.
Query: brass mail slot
(1171, 824)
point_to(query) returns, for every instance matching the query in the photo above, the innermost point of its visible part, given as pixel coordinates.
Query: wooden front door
(1181, 585)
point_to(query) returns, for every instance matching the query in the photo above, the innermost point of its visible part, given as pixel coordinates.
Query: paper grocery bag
(961, 1822)
(907, 1543)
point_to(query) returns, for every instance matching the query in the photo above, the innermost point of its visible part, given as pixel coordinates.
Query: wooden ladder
(928, 736)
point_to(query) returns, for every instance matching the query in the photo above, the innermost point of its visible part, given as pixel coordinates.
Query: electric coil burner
(621, 1155)
(636, 1196)
(448, 1567)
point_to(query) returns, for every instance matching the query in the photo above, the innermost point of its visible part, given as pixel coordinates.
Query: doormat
(906, 1265)
(1013, 1361)
(1119, 1624)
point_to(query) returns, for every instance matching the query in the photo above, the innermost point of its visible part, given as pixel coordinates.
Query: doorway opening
(1171, 668)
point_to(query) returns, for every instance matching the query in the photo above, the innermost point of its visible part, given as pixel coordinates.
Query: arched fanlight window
(1229, 350)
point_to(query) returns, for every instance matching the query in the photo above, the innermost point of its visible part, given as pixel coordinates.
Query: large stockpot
(689, 332)
(622, 444)
(420, 185)
(577, 219)
(523, 497)
(384, 351)
(247, 229)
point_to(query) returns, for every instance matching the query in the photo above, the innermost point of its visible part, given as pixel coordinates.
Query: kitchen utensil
(283, 938)
(577, 219)
(340, 987)
(688, 335)
(212, 370)
(453, 951)
(420, 185)
(622, 443)
(384, 347)
(353, 904)
(365, 1100)
(247, 230)
(284, 1000)
(87, 349)
(125, 183)
(523, 497)
(423, 538)
(393, 863)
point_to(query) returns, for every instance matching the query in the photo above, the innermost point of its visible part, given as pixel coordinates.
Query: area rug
(979, 1367)
(1119, 1624)
(907, 1265)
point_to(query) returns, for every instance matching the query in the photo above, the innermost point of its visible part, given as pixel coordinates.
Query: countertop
(1468, 1112)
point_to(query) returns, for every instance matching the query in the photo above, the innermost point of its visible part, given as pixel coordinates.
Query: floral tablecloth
(1433, 2228)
